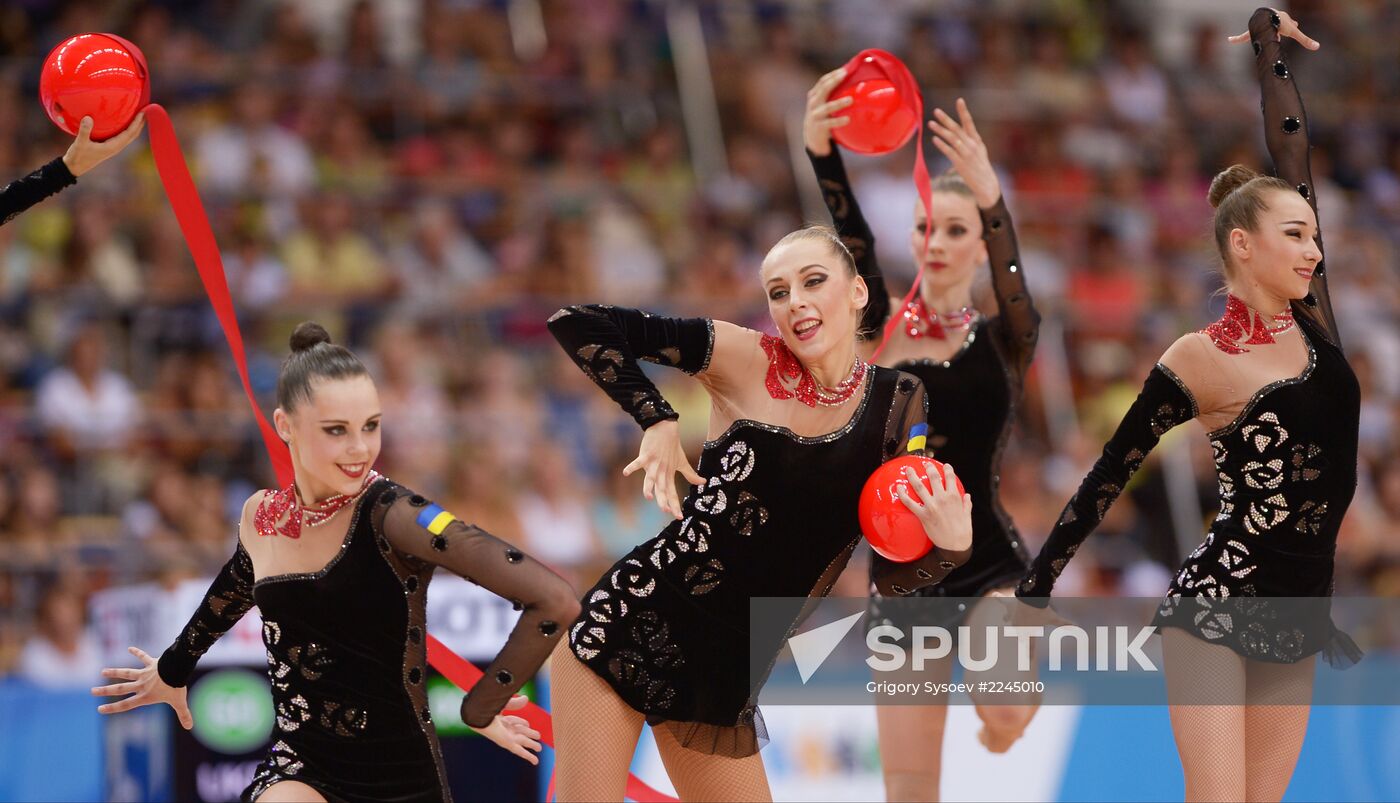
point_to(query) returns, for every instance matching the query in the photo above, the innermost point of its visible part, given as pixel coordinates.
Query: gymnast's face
(334, 436)
(1280, 255)
(955, 246)
(813, 295)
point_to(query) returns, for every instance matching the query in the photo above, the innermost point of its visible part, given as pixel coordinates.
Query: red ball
(95, 75)
(891, 528)
(880, 119)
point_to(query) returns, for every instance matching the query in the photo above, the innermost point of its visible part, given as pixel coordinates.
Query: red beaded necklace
(1242, 326)
(784, 368)
(920, 321)
(287, 502)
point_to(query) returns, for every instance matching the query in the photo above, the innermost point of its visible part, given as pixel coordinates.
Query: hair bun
(307, 335)
(1227, 181)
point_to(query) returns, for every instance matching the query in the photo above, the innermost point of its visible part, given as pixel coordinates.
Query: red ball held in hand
(886, 108)
(892, 528)
(95, 75)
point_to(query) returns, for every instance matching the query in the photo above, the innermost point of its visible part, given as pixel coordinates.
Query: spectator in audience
(62, 653)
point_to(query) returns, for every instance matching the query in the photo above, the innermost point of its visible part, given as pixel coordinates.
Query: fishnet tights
(1239, 724)
(595, 736)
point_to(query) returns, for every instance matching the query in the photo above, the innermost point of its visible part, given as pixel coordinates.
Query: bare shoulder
(735, 350)
(1190, 361)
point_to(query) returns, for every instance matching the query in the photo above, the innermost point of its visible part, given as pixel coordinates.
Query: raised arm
(836, 192)
(1163, 403)
(855, 233)
(548, 605)
(1286, 132)
(83, 155)
(228, 598)
(963, 145)
(892, 578)
(606, 342)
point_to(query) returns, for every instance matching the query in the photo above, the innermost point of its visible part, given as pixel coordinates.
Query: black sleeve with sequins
(1163, 404)
(1020, 321)
(547, 602)
(1286, 135)
(606, 342)
(855, 233)
(892, 578)
(23, 193)
(228, 598)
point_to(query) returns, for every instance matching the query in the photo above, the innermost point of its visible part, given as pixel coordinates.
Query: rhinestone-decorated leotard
(346, 647)
(668, 625)
(1286, 464)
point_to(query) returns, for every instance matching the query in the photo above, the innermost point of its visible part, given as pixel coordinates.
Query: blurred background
(430, 179)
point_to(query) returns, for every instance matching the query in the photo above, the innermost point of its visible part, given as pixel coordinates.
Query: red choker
(287, 502)
(784, 368)
(920, 321)
(1242, 326)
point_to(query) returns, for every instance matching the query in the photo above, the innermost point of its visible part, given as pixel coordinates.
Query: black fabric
(606, 343)
(1162, 405)
(973, 395)
(346, 648)
(1287, 472)
(23, 193)
(668, 625)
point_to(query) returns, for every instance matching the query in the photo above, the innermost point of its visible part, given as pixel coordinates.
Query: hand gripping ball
(886, 108)
(891, 528)
(95, 75)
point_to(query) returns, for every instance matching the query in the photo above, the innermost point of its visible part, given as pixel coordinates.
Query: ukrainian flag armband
(436, 521)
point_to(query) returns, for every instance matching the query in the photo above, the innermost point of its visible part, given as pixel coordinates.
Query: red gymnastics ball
(891, 528)
(95, 75)
(886, 108)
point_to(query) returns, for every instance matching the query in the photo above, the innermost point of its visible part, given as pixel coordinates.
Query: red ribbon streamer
(194, 224)
(465, 675)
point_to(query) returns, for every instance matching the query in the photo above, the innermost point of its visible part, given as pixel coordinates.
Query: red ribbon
(465, 675)
(194, 223)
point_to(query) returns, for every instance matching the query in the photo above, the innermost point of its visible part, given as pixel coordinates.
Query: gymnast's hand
(960, 142)
(945, 514)
(660, 457)
(817, 122)
(1288, 27)
(148, 687)
(84, 154)
(513, 733)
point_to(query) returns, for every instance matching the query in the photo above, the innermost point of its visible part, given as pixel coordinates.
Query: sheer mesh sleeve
(606, 343)
(910, 407)
(23, 193)
(1163, 404)
(228, 598)
(1020, 322)
(855, 233)
(1286, 134)
(428, 533)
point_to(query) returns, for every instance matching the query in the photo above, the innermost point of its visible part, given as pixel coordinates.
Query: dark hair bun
(307, 335)
(1227, 181)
